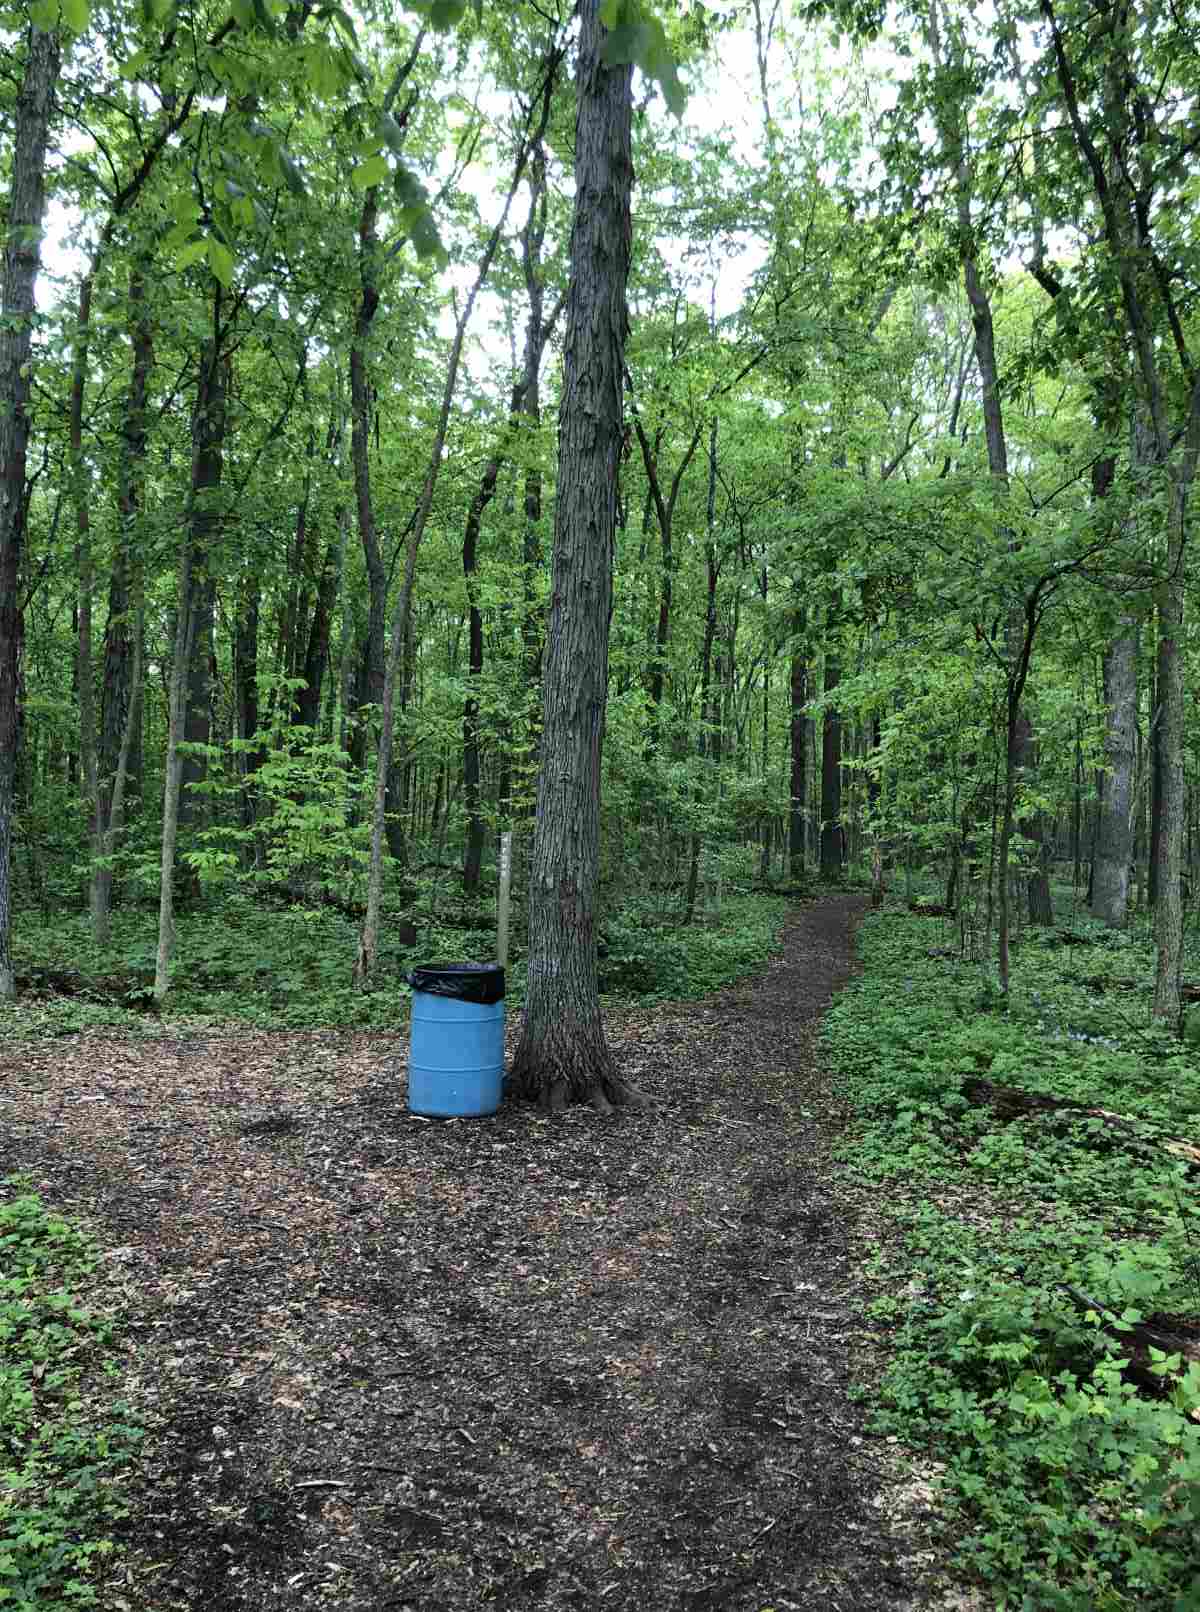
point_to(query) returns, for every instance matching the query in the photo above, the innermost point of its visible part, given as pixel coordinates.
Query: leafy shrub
(659, 962)
(57, 1462)
(1069, 1486)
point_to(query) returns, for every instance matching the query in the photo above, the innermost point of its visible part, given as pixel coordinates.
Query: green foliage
(58, 1457)
(636, 35)
(641, 956)
(239, 961)
(1071, 1485)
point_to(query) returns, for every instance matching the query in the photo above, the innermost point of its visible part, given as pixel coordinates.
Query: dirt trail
(516, 1362)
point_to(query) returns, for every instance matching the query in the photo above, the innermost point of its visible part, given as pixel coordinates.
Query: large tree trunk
(22, 248)
(562, 1053)
(1168, 914)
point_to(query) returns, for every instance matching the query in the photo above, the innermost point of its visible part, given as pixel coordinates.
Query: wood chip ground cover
(512, 1362)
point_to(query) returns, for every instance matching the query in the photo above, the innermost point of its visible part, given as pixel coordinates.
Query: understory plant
(1042, 1248)
(63, 1440)
(241, 959)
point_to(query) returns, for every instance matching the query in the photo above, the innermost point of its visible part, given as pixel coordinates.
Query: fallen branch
(1137, 1338)
(1011, 1102)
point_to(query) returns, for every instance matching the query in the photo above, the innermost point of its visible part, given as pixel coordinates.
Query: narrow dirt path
(522, 1363)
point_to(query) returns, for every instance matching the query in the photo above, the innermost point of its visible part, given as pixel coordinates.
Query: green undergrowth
(239, 962)
(1071, 1452)
(60, 1455)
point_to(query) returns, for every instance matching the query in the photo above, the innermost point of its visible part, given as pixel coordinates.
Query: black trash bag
(482, 983)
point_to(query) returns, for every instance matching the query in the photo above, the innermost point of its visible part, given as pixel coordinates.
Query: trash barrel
(456, 1046)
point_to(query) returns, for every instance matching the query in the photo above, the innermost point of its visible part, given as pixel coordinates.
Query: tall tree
(1119, 108)
(563, 1054)
(22, 256)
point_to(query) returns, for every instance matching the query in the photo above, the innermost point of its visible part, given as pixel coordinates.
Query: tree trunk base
(555, 1089)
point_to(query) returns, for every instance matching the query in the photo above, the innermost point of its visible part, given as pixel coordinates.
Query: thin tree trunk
(22, 248)
(708, 744)
(369, 939)
(245, 677)
(1114, 830)
(202, 523)
(831, 772)
(115, 812)
(532, 625)
(537, 334)
(120, 728)
(85, 682)
(798, 748)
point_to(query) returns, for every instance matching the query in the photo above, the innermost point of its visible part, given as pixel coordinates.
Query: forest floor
(517, 1362)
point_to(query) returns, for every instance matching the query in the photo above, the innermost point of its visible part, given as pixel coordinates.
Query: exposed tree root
(555, 1092)
(1122, 1130)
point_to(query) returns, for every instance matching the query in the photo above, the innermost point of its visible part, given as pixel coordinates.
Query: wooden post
(503, 903)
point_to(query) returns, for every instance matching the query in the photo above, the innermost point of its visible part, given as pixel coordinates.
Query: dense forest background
(911, 421)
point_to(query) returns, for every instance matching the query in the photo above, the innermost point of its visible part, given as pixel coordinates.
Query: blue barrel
(456, 1047)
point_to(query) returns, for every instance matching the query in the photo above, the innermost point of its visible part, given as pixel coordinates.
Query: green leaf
(372, 172)
(425, 238)
(640, 38)
(391, 131)
(75, 15)
(133, 67)
(410, 192)
(220, 261)
(182, 206)
(191, 253)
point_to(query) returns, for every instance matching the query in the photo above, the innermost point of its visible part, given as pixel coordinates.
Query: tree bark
(524, 409)
(316, 651)
(831, 772)
(202, 524)
(120, 721)
(532, 623)
(798, 747)
(1154, 325)
(22, 249)
(1114, 828)
(245, 678)
(562, 1053)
